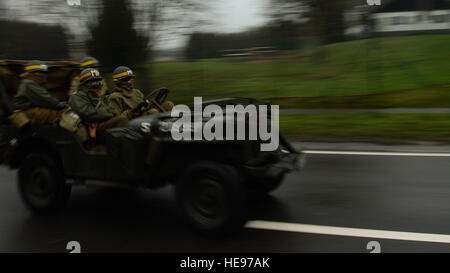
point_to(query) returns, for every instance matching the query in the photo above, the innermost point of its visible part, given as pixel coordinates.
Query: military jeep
(212, 179)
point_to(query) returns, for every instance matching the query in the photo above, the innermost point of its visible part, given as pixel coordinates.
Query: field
(410, 71)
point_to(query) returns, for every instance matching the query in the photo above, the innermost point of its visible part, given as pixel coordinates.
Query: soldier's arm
(140, 94)
(40, 97)
(142, 98)
(74, 85)
(87, 112)
(104, 88)
(115, 103)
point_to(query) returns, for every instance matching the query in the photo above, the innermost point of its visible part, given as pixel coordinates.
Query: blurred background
(349, 75)
(341, 70)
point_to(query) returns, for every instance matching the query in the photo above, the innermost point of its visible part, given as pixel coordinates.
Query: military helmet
(35, 66)
(89, 74)
(89, 62)
(122, 72)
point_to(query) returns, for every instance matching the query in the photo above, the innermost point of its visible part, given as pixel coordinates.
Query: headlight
(165, 126)
(146, 127)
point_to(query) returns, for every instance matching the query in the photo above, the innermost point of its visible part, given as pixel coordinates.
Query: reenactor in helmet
(87, 62)
(33, 99)
(126, 99)
(90, 105)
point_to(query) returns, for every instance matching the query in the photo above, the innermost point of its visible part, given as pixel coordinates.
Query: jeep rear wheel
(42, 185)
(212, 198)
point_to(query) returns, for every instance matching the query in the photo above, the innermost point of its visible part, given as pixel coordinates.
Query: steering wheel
(158, 97)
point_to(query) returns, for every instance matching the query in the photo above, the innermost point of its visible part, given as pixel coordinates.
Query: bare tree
(155, 18)
(289, 10)
(326, 18)
(175, 17)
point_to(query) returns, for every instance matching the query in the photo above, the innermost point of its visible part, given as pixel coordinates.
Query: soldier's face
(94, 84)
(97, 84)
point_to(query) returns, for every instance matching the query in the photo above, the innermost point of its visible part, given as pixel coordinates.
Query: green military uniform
(30, 94)
(90, 107)
(124, 99)
(33, 99)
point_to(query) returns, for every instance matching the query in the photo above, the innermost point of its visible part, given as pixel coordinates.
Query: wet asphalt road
(394, 193)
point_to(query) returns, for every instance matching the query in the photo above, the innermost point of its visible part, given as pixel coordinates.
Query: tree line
(23, 40)
(280, 35)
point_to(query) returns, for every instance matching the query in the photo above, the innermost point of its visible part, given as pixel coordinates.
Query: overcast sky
(228, 16)
(237, 15)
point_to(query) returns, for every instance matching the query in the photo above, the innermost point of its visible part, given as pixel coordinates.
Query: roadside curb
(413, 147)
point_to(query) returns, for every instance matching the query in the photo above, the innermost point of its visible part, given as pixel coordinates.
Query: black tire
(212, 198)
(42, 184)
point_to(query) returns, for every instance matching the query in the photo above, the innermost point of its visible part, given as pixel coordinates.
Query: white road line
(351, 232)
(375, 153)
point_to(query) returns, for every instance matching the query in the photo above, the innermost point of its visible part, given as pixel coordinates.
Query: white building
(413, 16)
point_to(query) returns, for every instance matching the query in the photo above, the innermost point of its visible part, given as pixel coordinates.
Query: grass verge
(367, 127)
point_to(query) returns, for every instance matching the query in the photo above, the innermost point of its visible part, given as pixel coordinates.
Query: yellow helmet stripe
(32, 67)
(87, 63)
(120, 75)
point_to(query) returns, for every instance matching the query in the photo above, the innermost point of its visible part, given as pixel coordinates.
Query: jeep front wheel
(212, 198)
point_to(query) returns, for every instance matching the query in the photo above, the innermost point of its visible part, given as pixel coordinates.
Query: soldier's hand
(146, 104)
(142, 104)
